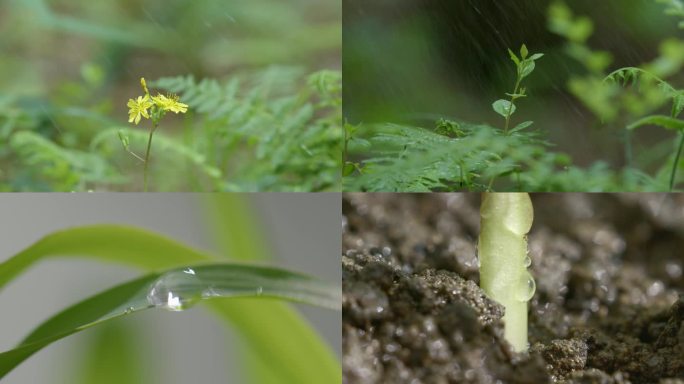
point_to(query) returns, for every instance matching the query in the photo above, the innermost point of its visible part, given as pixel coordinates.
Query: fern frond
(288, 126)
(59, 168)
(625, 76)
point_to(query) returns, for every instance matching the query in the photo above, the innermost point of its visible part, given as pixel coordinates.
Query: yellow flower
(138, 108)
(170, 103)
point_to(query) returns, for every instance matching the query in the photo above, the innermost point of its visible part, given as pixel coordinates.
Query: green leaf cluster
(289, 122)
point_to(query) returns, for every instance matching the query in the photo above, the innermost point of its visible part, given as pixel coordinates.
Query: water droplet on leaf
(174, 291)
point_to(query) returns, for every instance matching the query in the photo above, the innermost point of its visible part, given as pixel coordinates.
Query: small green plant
(502, 251)
(524, 67)
(153, 108)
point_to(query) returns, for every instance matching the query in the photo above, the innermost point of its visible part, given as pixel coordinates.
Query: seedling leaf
(526, 68)
(514, 57)
(504, 107)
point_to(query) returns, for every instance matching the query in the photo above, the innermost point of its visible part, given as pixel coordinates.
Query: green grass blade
(233, 227)
(120, 244)
(112, 355)
(293, 350)
(292, 345)
(175, 289)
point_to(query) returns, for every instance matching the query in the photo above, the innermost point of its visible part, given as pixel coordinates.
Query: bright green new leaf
(526, 68)
(504, 107)
(524, 52)
(514, 57)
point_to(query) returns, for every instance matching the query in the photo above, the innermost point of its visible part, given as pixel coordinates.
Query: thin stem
(510, 108)
(344, 152)
(628, 147)
(147, 154)
(676, 162)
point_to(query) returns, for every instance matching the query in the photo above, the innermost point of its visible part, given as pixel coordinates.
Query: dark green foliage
(418, 160)
(50, 166)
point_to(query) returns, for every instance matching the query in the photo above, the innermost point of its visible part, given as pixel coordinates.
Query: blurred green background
(67, 69)
(414, 61)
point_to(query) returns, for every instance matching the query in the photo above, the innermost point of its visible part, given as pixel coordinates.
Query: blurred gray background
(185, 347)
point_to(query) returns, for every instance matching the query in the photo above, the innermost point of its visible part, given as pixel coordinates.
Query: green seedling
(525, 65)
(502, 250)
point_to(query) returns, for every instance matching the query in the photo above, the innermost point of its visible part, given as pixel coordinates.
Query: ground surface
(607, 308)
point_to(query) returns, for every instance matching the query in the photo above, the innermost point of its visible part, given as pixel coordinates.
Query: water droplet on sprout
(527, 262)
(526, 287)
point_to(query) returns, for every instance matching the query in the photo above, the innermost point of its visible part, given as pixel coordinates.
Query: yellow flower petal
(138, 108)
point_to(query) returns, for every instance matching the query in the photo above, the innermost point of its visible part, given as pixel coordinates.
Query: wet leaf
(526, 68)
(174, 289)
(504, 107)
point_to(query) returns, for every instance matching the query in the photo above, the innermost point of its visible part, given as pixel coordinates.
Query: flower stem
(147, 154)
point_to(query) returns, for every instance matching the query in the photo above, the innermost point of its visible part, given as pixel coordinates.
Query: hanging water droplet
(174, 291)
(526, 287)
(527, 262)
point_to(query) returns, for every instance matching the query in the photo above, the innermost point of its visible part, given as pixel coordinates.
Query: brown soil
(607, 309)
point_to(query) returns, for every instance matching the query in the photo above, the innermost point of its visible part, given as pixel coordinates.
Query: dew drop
(175, 291)
(128, 310)
(526, 287)
(260, 291)
(527, 262)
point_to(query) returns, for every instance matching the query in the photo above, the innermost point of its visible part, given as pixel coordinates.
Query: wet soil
(608, 306)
